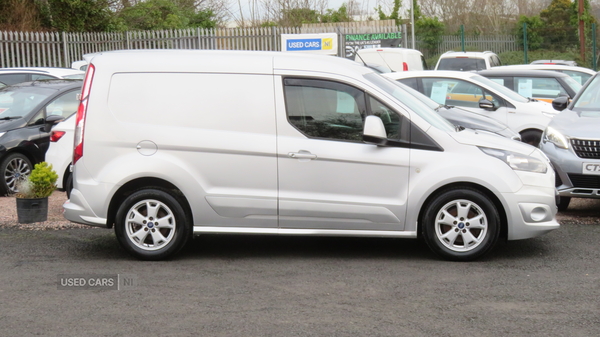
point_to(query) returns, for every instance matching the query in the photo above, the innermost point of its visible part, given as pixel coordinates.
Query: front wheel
(14, 167)
(461, 224)
(151, 224)
(531, 137)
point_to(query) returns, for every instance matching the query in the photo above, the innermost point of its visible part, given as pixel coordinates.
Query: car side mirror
(560, 103)
(486, 104)
(51, 121)
(374, 131)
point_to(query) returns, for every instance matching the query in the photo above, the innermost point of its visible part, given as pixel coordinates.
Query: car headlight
(517, 161)
(550, 113)
(555, 137)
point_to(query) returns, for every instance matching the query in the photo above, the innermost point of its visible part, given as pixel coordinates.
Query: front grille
(585, 180)
(586, 148)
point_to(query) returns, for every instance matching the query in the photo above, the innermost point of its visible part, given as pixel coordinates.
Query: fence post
(594, 56)
(525, 41)
(462, 37)
(66, 63)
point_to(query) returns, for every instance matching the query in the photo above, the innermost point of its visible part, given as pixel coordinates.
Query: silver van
(292, 144)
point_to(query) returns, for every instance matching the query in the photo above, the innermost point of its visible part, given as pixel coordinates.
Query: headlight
(553, 136)
(550, 113)
(517, 161)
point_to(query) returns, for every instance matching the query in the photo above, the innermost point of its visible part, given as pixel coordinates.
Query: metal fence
(33, 49)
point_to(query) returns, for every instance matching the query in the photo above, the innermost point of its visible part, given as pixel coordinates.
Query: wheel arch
(145, 183)
(488, 193)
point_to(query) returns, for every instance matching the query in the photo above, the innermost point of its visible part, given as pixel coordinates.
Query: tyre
(14, 168)
(563, 204)
(460, 224)
(531, 137)
(151, 224)
(69, 185)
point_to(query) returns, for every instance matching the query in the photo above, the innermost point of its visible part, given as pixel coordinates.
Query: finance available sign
(325, 43)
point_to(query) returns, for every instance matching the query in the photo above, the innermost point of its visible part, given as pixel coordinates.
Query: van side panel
(211, 135)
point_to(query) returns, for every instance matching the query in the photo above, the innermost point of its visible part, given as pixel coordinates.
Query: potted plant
(33, 193)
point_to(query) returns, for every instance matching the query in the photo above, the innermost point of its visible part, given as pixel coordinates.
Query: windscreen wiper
(7, 118)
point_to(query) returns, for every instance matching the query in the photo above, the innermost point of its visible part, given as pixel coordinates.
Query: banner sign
(314, 43)
(355, 42)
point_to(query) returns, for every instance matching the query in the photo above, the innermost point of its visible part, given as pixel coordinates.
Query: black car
(538, 84)
(27, 113)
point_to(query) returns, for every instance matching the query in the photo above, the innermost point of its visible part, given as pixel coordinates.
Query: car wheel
(69, 185)
(151, 224)
(531, 137)
(14, 168)
(563, 204)
(461, 224)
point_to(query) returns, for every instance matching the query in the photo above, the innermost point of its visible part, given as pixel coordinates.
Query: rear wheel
(531, 137)
(14, 168)
(461, 224)
(151, 224)
(69, 185)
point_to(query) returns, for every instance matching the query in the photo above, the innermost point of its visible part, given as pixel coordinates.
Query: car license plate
(591, 168)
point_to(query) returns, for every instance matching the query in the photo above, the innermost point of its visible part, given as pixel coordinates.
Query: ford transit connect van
(282, 143)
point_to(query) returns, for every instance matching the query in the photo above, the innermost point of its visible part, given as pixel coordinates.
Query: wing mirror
(486, 104)
(560, 103)
(51, 121)
(374, 131)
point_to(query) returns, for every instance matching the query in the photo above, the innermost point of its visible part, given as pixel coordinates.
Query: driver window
(397, 127)
(65, 105)
(325, 109)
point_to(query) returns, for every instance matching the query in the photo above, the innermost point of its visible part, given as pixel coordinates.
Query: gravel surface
(581, 211)
(56, 220)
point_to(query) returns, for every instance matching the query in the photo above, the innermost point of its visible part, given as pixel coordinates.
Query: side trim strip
(316, 232)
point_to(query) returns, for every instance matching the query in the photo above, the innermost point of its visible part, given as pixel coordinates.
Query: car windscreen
(499, 88)
(589, 98)
(571, 82)
(399, 92)
(19, 101)
(462, 64)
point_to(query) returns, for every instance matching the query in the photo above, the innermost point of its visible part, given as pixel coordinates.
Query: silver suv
(466, 61)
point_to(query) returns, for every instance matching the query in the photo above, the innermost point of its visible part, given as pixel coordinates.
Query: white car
(10, 76)
(60, 153)
(479, 94)
(580, 74)
(289, 144)
(467, 61)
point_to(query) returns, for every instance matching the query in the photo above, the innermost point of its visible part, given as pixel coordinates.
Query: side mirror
(560, 103)
(486, 104)
(374, 131)
(51, 121)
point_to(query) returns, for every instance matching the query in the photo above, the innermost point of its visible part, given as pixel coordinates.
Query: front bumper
(570, 179)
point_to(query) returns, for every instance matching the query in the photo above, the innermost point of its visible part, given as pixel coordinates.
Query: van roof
(226, 61)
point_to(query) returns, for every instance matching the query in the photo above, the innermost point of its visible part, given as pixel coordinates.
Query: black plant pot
(32, 210)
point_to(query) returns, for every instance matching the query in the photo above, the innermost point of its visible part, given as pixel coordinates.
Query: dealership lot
(228, 285)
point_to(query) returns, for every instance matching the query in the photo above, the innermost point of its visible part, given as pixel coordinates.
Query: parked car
(466, 61)
(537, 84)
(311, 145)
(579, 74)
(60, 153)
(572, 142)
(479, 94)
(27, 113)
(10, 76)
(463, 118)
(397, 59)
(559, 62)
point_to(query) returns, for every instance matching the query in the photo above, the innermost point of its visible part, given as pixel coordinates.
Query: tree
(558, 31)
(395, 15)
(77, 15)
(163, 14)
(340, 15)
(535, 27)
(430, 31)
